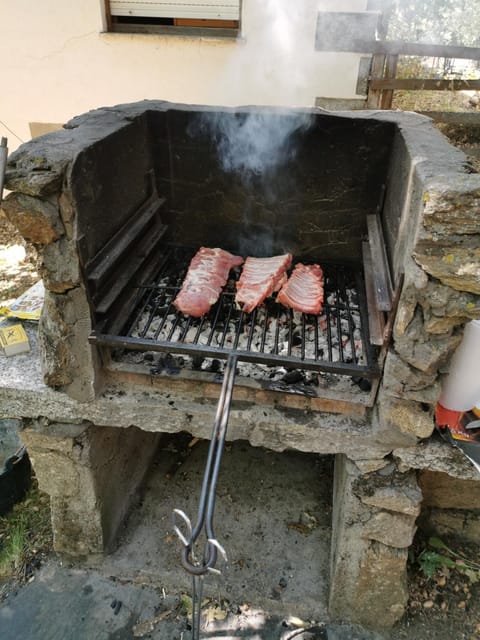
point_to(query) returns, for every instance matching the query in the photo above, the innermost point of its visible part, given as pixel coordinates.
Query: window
(208, 17)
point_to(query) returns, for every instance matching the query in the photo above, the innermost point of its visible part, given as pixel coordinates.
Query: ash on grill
(282, 348)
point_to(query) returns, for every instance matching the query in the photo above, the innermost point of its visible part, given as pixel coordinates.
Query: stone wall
(438, 253)
(91, 475)
(374, 521)
(451, 506)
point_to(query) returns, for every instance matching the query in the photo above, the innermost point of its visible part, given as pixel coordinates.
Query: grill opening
(336, 341)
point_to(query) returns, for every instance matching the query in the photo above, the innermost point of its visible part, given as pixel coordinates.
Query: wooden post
(374, 96)
(390, 73)
(379, 60)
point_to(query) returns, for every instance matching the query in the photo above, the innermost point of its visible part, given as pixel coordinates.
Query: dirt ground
(445, 606)
(17, 262)
(272, 515)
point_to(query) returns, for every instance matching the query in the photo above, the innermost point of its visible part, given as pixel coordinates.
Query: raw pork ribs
(260, 278)
(304, 289)
(206, 276)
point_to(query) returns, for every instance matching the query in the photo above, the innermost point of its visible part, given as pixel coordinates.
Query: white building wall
(58, 62)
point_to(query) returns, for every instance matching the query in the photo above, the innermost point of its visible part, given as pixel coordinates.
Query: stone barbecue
(115, 202)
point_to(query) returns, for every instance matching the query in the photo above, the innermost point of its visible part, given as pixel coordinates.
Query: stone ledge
(436, 455)
(23, 394)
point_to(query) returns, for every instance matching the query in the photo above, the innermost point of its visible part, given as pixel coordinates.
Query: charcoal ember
(296, 339)
(277, 372)
(157, 369)
(239, 326)
(172, 364)
(197, 362)
(270, 306)
(363, 383)
(167, 363)
(293, 377)
(313, 379)
(159, 301)
(215, 366)
(299, 388)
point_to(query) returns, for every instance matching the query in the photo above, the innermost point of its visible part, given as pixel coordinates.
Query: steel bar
(376, 320)
(272, 359)
(381, 273)
(197, 596)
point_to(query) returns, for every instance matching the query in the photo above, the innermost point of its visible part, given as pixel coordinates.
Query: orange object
(446, 417)
(463, 425)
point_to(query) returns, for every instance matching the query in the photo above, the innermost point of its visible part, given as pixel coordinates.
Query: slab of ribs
(209, 270)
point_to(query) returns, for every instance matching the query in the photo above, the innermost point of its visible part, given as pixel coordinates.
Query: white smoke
(278, 61)
(255, 142)
(280, 33)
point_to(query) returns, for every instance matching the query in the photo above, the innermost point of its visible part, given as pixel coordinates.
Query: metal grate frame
(335, 341)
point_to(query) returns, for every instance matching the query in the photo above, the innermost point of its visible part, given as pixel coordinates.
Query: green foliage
(451, 22)
(25, 535)
(11, 552)
(431, 562)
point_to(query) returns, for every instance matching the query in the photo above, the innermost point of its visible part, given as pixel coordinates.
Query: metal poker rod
(198, 568)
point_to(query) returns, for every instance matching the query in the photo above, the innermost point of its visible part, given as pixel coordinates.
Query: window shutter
(200, 9)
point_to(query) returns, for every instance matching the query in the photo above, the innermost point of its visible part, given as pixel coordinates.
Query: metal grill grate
(335, 341)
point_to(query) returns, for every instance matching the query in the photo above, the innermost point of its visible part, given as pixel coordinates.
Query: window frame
(181, 25)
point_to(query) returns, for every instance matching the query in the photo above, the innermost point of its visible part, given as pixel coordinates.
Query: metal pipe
(3, 164)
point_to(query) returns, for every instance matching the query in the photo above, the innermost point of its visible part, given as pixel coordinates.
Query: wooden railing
(383, 81)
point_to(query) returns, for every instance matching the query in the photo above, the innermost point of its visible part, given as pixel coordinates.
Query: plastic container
(461, 389)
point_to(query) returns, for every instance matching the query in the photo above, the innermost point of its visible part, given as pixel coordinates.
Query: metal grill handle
(207, 497)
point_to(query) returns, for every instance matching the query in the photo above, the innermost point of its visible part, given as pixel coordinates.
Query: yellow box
(13, 339)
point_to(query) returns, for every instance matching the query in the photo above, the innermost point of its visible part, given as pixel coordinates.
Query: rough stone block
(77, 531)
(368, 578)
(442, 325)
(403, 381)
(68, 359)
(389, 488)
(67, 213)
(59, 266)
(415, 283)
(406, 416)
(367, 466)
(441, 490)
(382, 587)
(422, 351)
(454, 265)
(455, 523)
(402, 498)
(37, 167)
(452, 209)
(91, 475)
(391, 529)
(436, 455)
(37, 220)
